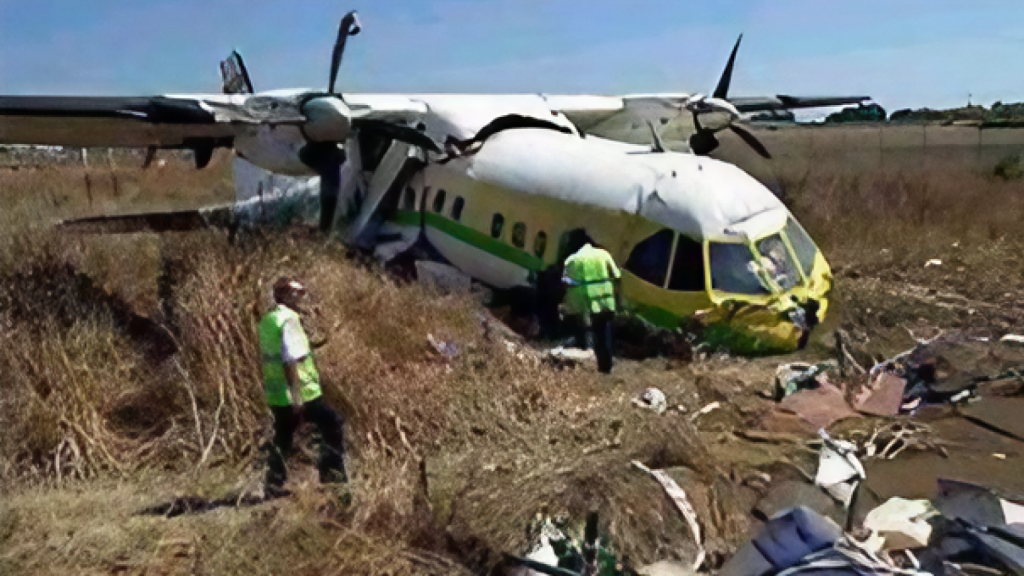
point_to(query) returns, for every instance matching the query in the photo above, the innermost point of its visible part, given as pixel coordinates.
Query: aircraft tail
(234, 75)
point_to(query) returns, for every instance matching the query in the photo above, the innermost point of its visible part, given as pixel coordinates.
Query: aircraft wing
(783, 102)
(188, 121)
(82, 121)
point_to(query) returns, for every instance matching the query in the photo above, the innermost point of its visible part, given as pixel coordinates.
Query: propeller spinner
(330, 123)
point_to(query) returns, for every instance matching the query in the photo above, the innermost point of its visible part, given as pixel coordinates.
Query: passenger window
(409, 200)
(439, 201)
(519, 235)
(732, 269)
(540, 244)
(649, 259)
(457, 206)
(688, 266)
(497, 223)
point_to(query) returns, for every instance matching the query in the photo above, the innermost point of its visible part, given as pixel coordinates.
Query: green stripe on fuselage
(474, 238)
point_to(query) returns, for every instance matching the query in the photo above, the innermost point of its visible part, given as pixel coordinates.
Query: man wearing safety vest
(292, 386)
(591, 274)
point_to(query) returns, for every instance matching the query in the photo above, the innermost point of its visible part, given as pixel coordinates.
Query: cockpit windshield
(732, 269)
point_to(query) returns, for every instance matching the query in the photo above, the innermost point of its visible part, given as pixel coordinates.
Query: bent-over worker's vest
(590, 272)
(271, 331)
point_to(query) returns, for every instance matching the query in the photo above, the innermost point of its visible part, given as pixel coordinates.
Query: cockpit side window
(802, 245)
(649, 259)
(687, 266)
(776, 262)
(732, 269)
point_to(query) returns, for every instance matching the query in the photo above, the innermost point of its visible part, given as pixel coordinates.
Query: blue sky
(902, 52)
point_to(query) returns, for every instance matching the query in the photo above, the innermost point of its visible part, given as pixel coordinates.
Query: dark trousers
(601, 328)
(332, 449)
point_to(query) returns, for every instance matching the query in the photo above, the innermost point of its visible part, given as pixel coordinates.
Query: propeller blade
(330, 190)
(326, 160)
(403, 133)
(722, 91)
(658, 145)
(751, 141)
(349, 26)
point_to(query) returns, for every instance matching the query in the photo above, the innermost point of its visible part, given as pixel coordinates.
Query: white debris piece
(679, 498)
(1013, 339)
(570, 356)
(654, 399)
(839, 470)
(902, 523)
(933, 262)
(705, 410)
(443, 347)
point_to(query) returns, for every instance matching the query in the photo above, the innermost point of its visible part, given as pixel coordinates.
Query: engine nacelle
(328, 119)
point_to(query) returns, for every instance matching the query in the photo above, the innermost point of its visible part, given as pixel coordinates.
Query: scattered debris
(678, 497)
(902, 523)
(443, 347)
(821, 406)
(789, 378)
(653, 399)
(559, 552)
(705, 410)
(839, 470)
(883, 397)
(783, 542)
(1013, 339)
(564, 357)
(945, 369)
(889, 441)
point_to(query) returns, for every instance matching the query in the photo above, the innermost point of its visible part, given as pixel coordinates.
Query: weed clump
(1009, 168)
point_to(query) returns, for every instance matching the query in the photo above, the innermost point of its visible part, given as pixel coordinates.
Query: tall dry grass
(84, 398)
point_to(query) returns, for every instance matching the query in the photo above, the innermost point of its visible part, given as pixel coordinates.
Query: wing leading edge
(159, 121)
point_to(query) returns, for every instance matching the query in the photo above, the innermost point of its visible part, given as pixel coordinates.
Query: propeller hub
(328, 119)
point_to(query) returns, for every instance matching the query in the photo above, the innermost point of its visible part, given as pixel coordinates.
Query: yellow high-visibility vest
(275, 384)
(590, 272)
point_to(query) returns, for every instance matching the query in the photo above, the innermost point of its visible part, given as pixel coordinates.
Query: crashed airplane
(493, 184)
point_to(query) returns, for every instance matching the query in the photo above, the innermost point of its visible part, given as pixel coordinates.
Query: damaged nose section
(779, 327)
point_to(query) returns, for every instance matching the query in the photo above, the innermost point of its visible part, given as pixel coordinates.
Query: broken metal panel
(396, 168)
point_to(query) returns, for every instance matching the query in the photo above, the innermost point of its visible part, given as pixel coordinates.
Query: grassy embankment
(451, 458)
